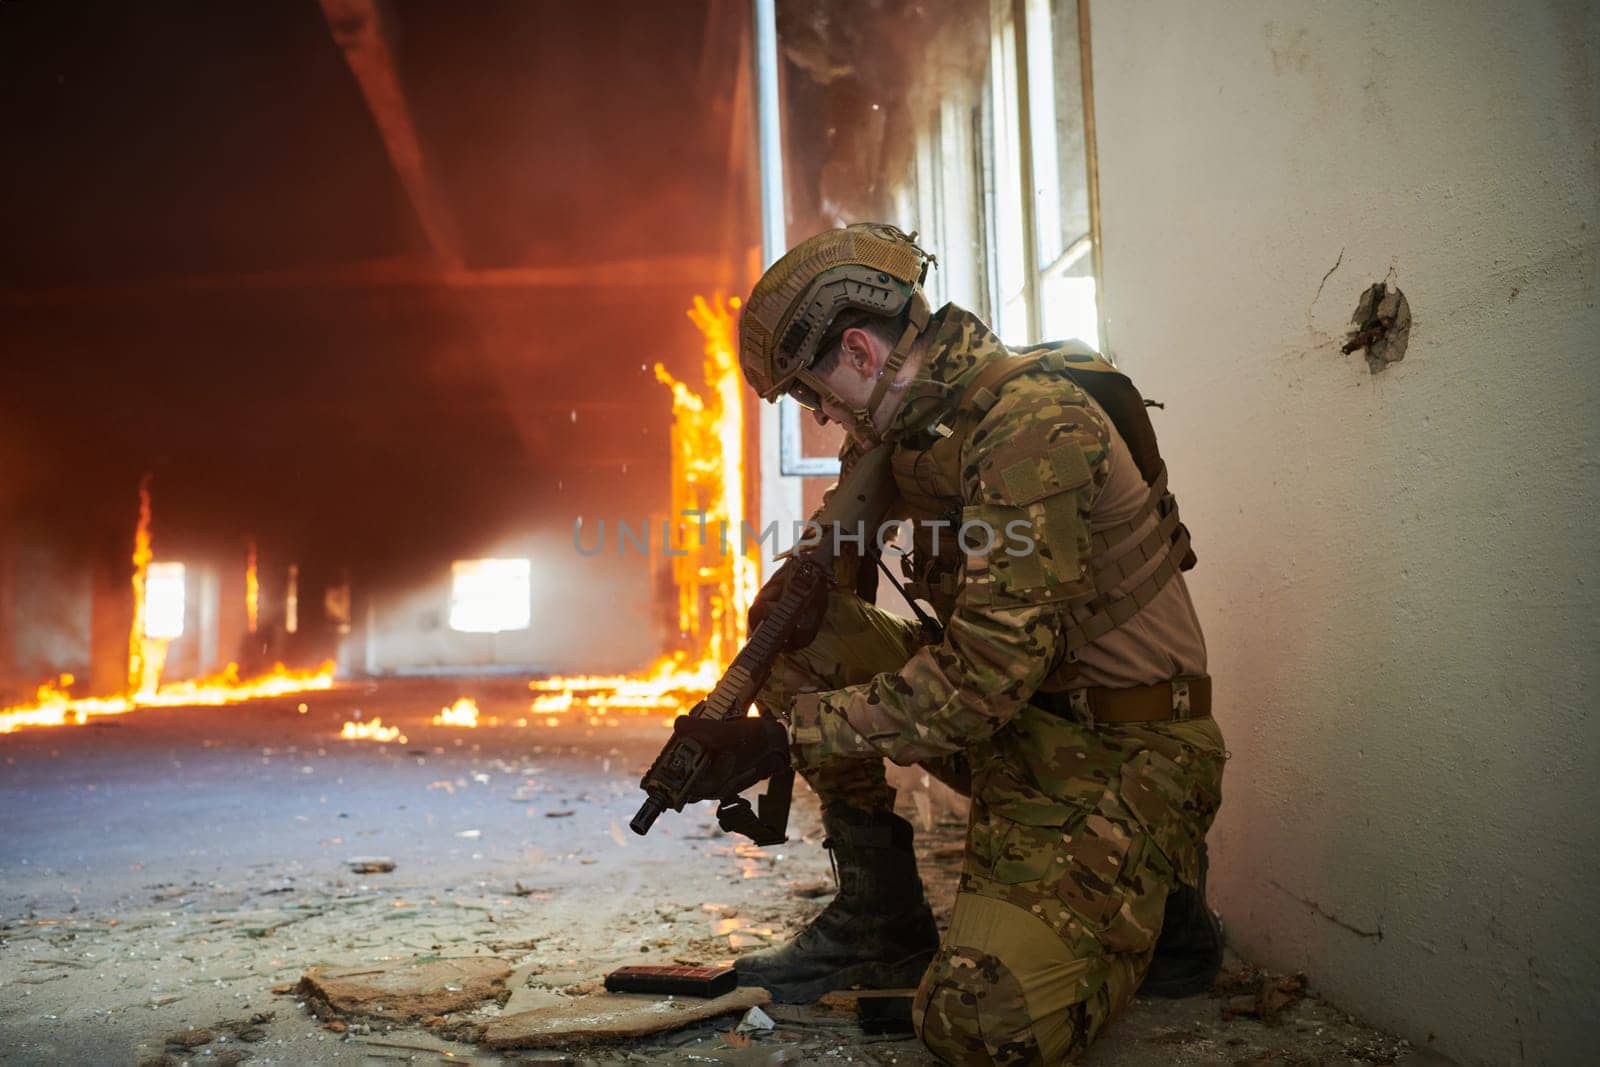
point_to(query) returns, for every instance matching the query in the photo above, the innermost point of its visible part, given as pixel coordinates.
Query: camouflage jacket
(1029, 469)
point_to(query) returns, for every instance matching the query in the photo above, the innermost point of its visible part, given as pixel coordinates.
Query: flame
(372, 730)
(463, 713)
(716, 576)
(141, 648)
(673, 683)
(716, 581)
(54, 705)
(252, 589)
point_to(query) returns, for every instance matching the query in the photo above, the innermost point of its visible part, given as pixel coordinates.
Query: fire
(716, 576)
(227, 687)
(141, 647)
(252, 589)
(671, 684)
(373, 730)
(54, 705)
(463, 713)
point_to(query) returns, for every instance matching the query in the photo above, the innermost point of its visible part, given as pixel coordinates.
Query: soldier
(1063, 688)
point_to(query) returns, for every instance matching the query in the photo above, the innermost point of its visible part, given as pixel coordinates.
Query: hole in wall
(1381, 326)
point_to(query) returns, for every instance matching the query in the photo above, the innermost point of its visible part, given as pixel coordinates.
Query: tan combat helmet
(871, 266)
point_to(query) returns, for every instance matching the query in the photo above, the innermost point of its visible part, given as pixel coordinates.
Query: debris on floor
(179, 928)
(405, 992)
(1255, 995)
(603, 1016)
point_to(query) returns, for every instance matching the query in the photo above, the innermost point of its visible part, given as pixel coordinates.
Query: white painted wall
(1398, 573)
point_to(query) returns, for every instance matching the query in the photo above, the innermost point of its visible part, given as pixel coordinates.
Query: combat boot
(1189, 951)
(878, 931)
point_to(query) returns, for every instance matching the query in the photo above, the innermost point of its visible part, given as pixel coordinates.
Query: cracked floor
(163, 873)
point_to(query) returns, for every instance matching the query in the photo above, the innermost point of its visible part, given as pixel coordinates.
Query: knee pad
(970, 1009)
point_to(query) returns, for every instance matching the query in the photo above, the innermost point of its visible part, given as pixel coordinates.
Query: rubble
(1255, 995)
(604, 1016)
(754, 1019)
(405, 992)
(370, 864)
(145, 952)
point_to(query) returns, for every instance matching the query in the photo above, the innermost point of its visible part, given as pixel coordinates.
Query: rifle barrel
(649, 811)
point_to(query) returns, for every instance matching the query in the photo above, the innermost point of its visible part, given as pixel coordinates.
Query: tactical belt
(1174, 701)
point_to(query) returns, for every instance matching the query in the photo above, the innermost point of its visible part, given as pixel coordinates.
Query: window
(163, 601)
(1002, 184)
(489, 596)
(1063, 231)
(997, 173)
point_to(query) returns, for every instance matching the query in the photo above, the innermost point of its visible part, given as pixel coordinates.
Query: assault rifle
(858, 503)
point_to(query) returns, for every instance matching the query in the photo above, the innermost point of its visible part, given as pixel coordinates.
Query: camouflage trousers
(1077, 834)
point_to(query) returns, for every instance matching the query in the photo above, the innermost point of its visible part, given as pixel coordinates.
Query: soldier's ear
(859, 353)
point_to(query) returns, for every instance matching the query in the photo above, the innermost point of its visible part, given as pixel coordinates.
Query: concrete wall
(1398, 572)
(47, 604)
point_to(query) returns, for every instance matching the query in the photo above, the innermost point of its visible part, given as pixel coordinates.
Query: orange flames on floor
(716, 577)
(463, 713)
(372, 730)
(54, 705)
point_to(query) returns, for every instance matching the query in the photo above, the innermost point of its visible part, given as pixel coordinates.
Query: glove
(744, 751)
(809, 619)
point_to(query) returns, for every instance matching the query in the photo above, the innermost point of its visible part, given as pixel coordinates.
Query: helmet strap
(916, 321)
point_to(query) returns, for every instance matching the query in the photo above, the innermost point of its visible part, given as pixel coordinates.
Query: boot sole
(905, 973)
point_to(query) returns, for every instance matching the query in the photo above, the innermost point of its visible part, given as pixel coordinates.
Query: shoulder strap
(1113, 390)
(983, 391)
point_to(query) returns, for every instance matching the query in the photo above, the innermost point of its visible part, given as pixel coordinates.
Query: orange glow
(673, 683)
(54, 706)
(252, 589)
(716, 577)
(139, 677)
(463, 713)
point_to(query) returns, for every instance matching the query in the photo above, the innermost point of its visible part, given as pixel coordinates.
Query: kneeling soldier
(1063, 689)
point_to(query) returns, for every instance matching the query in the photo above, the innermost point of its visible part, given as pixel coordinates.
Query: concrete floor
(168, 869)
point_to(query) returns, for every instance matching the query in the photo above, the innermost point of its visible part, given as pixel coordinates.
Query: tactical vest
(928, 478)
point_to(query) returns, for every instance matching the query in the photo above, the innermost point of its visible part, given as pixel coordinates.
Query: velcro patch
(1059, 470)
(1069, 466)
(1024, 484)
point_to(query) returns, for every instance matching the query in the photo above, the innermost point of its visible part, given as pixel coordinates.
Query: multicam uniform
(1080, 826)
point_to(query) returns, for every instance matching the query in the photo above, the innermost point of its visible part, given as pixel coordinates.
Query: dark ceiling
(193, 199)
(156, 139)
